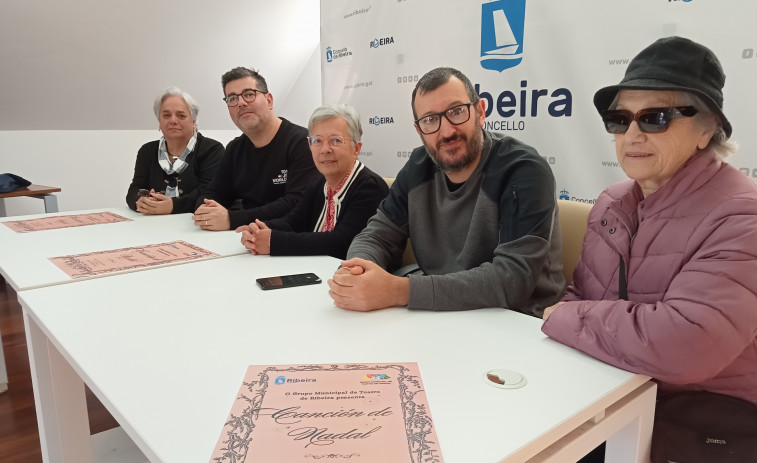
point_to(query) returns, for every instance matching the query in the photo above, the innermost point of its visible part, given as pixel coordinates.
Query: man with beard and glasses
(478, 207)
(266, 170)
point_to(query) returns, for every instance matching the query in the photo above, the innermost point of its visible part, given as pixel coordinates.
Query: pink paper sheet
(64, 221)
(119, 260)
(361, 413)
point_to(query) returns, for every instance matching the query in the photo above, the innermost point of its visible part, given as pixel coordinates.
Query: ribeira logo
(502, 24)
(283, 380)
(566, 196)
(376, 377)
(332, 55)
(526, 102)
(375, 43)
(380, 120)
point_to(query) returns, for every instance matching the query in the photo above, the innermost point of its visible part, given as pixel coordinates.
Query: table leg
(51, 203)
(633, 443)
(60, 401)
(3, 212)
(626, 426)
(3, 370)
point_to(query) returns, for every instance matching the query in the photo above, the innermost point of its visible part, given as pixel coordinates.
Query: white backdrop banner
(536, 63)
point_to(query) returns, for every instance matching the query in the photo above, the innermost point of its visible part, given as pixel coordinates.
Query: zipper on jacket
(515, 200)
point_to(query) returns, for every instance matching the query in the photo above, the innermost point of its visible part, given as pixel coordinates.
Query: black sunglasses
(650, 120)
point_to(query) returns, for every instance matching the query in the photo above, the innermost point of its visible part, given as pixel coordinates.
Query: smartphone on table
(288, 281)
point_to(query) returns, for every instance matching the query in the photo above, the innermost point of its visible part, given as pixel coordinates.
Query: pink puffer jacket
(690, 251)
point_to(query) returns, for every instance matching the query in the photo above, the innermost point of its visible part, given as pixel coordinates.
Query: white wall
(78, 81)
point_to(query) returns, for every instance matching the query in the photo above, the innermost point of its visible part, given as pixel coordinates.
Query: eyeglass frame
(330, 138)
(444, 113)
(237, 95)
(673, 112)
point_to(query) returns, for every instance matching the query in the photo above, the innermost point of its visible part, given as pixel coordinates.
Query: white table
(169, 368)
(24, 257)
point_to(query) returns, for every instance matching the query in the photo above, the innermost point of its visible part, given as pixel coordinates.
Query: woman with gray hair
(171, 173)
(666, 285)
(334, 208)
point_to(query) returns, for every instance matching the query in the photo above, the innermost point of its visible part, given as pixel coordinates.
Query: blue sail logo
(502, 24)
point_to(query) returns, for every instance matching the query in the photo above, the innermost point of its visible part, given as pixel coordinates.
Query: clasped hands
(212, 216)
(362, 285)
(256, 237)
(154, 204)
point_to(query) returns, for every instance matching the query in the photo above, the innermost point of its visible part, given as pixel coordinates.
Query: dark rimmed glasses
(456, 115)
(650, 120)
(249, 94)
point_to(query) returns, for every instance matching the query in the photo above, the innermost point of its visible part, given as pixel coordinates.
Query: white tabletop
(24, 257)
(168, 364)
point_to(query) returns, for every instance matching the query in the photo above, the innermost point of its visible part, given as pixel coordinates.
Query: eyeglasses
(456, 115)
(249, 94)
(650, 120)
(333, 141)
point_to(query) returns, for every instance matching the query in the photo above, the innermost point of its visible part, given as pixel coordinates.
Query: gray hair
(346, 112)
(720, 147)
(194, 108)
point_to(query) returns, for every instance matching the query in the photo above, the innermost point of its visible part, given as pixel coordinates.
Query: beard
(473, 147)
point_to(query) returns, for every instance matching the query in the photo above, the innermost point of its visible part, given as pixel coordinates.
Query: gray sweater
(493, 242)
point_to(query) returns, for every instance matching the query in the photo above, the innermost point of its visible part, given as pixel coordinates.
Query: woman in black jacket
(171, 173)
(334, 208)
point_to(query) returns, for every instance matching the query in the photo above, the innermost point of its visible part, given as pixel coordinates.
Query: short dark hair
(241, 73)
(435, 78)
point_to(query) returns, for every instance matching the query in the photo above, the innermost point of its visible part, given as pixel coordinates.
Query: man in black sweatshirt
(268, 167)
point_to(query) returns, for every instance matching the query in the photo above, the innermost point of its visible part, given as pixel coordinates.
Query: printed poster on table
(120, 260)
(64, 221)
(354, 413)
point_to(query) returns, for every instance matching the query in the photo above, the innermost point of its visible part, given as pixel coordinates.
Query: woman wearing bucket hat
(667, 281)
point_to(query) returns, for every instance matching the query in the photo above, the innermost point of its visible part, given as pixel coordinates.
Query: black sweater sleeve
(300, 219)
(360, 205)
(221, 187)
(141, 178)
(204, 164)
(300, 173)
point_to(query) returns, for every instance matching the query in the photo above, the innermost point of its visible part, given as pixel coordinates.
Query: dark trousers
(595, 456)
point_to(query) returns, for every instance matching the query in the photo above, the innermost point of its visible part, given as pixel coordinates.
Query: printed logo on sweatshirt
(502, 24)
(281, 178)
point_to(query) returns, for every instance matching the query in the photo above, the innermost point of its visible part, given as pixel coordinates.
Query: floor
(19, 438)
